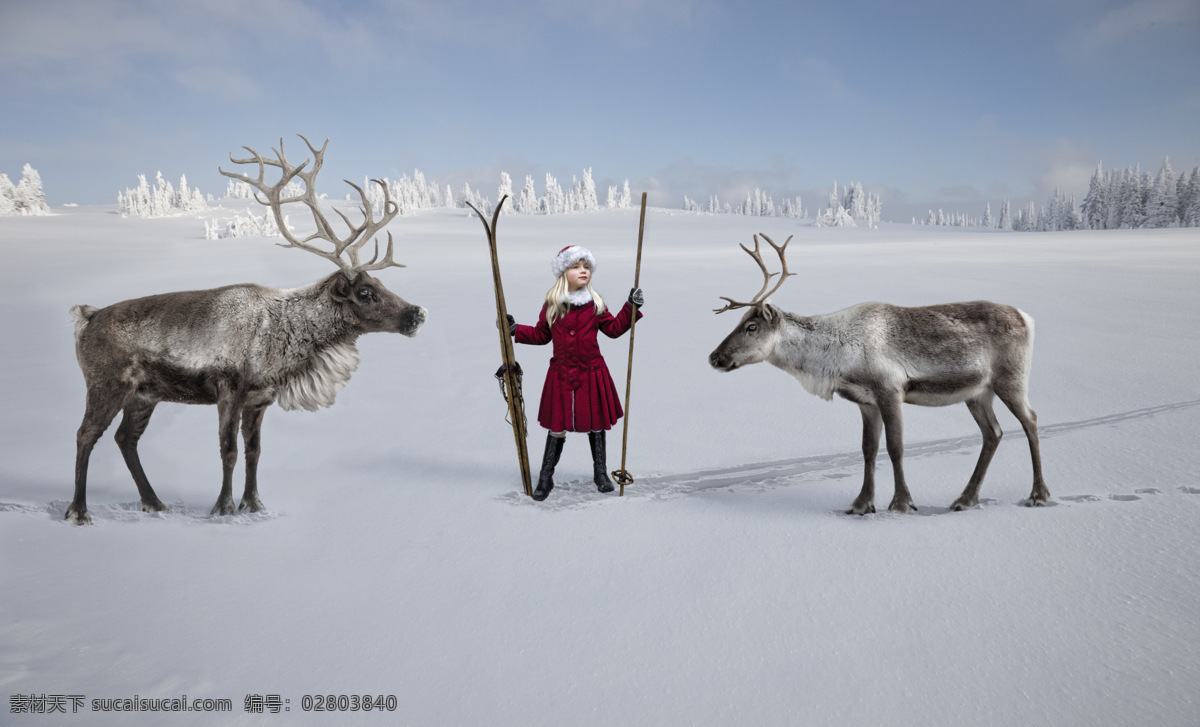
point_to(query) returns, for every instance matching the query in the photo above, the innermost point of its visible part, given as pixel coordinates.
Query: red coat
(579, 395)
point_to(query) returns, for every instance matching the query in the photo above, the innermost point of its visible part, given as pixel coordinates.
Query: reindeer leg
(985, 417)
(1018, 404)
(252, 417)
(229, 412)
(102, 406)
(893, 426)
(872, 428)
(133, 425)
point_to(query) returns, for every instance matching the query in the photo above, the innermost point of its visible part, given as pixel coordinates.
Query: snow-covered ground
(726, 587)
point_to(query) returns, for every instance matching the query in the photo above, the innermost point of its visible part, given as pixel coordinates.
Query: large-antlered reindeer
(880, 356)
(240, 347)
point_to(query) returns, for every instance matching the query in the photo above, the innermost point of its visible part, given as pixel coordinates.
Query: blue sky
(930, 104)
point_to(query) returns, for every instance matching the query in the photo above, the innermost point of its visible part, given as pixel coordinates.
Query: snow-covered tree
(250, 225)
(588, 200)
(1006, 221)
(235, 189)
(8, 196)
(988, 221)
(1095, 202)
(528, 202)
(1189, 204)
(480, 202)
(506, 190)
(554, 202)
(1162, 205)
(161, 200)
(1133, 200)
(30, 197)
(26, 197)
(835, 215)
(856, 202)
(791, 208)
(1182, 198)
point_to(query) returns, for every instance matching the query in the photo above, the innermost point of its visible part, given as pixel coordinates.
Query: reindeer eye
(752, 327)
(367, 293)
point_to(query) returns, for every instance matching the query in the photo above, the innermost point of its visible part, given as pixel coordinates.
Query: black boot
(596, 439)
(554, 446)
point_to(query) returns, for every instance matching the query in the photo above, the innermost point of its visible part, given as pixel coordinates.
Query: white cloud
(99, 42)
(817, 75)
(1065, 166)
(629, 20)
(1120, 25)
(216, 82)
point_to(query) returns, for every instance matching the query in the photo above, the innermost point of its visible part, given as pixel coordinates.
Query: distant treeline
(1116, 200)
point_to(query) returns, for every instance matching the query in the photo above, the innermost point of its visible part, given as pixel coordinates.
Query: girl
(579, 394)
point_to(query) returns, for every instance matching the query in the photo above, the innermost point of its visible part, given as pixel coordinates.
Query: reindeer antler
(358, 235)
(760, 298)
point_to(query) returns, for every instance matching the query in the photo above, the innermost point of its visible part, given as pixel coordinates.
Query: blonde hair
(556, 299)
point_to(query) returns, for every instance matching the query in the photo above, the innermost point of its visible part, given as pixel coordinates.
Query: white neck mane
(318, 384)
(811, 357)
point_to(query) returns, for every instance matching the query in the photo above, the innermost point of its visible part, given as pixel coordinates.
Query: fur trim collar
(579, 297)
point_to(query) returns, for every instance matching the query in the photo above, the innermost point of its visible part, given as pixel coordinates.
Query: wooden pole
(622, 475)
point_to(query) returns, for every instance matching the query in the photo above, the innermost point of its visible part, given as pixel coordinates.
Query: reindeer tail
(82, 314)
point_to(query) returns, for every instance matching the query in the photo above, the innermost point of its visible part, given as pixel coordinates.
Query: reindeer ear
(340, 290)
(770, 313)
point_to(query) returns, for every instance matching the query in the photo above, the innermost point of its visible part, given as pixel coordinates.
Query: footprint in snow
(1130, 497)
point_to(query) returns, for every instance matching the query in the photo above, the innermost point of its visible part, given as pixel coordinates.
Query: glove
(635, 298)
(512, 326)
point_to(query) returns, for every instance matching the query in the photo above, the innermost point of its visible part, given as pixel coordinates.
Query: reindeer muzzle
(411, 320)
(720, 362)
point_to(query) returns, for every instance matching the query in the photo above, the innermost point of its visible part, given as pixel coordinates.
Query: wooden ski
(510, 371)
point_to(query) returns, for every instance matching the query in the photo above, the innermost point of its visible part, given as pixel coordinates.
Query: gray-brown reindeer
(240, 347)
(880, 356)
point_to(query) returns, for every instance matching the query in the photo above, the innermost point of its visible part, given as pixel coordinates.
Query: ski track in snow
(757, 477)
(762, 476)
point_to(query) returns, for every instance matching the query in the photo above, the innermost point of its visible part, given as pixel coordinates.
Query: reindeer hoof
(857, 509)
(960, 504)
(903, 506)
(250, 504)
(155, 505)
(77, 516)
(223, 507)
(1039, 497)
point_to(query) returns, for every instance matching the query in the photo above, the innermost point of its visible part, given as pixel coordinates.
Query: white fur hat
(570, 255)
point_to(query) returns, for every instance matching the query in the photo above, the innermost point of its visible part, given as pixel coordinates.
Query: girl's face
(578, 276)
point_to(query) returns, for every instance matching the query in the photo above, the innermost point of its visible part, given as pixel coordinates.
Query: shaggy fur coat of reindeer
(881, 356)
(241, 347)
